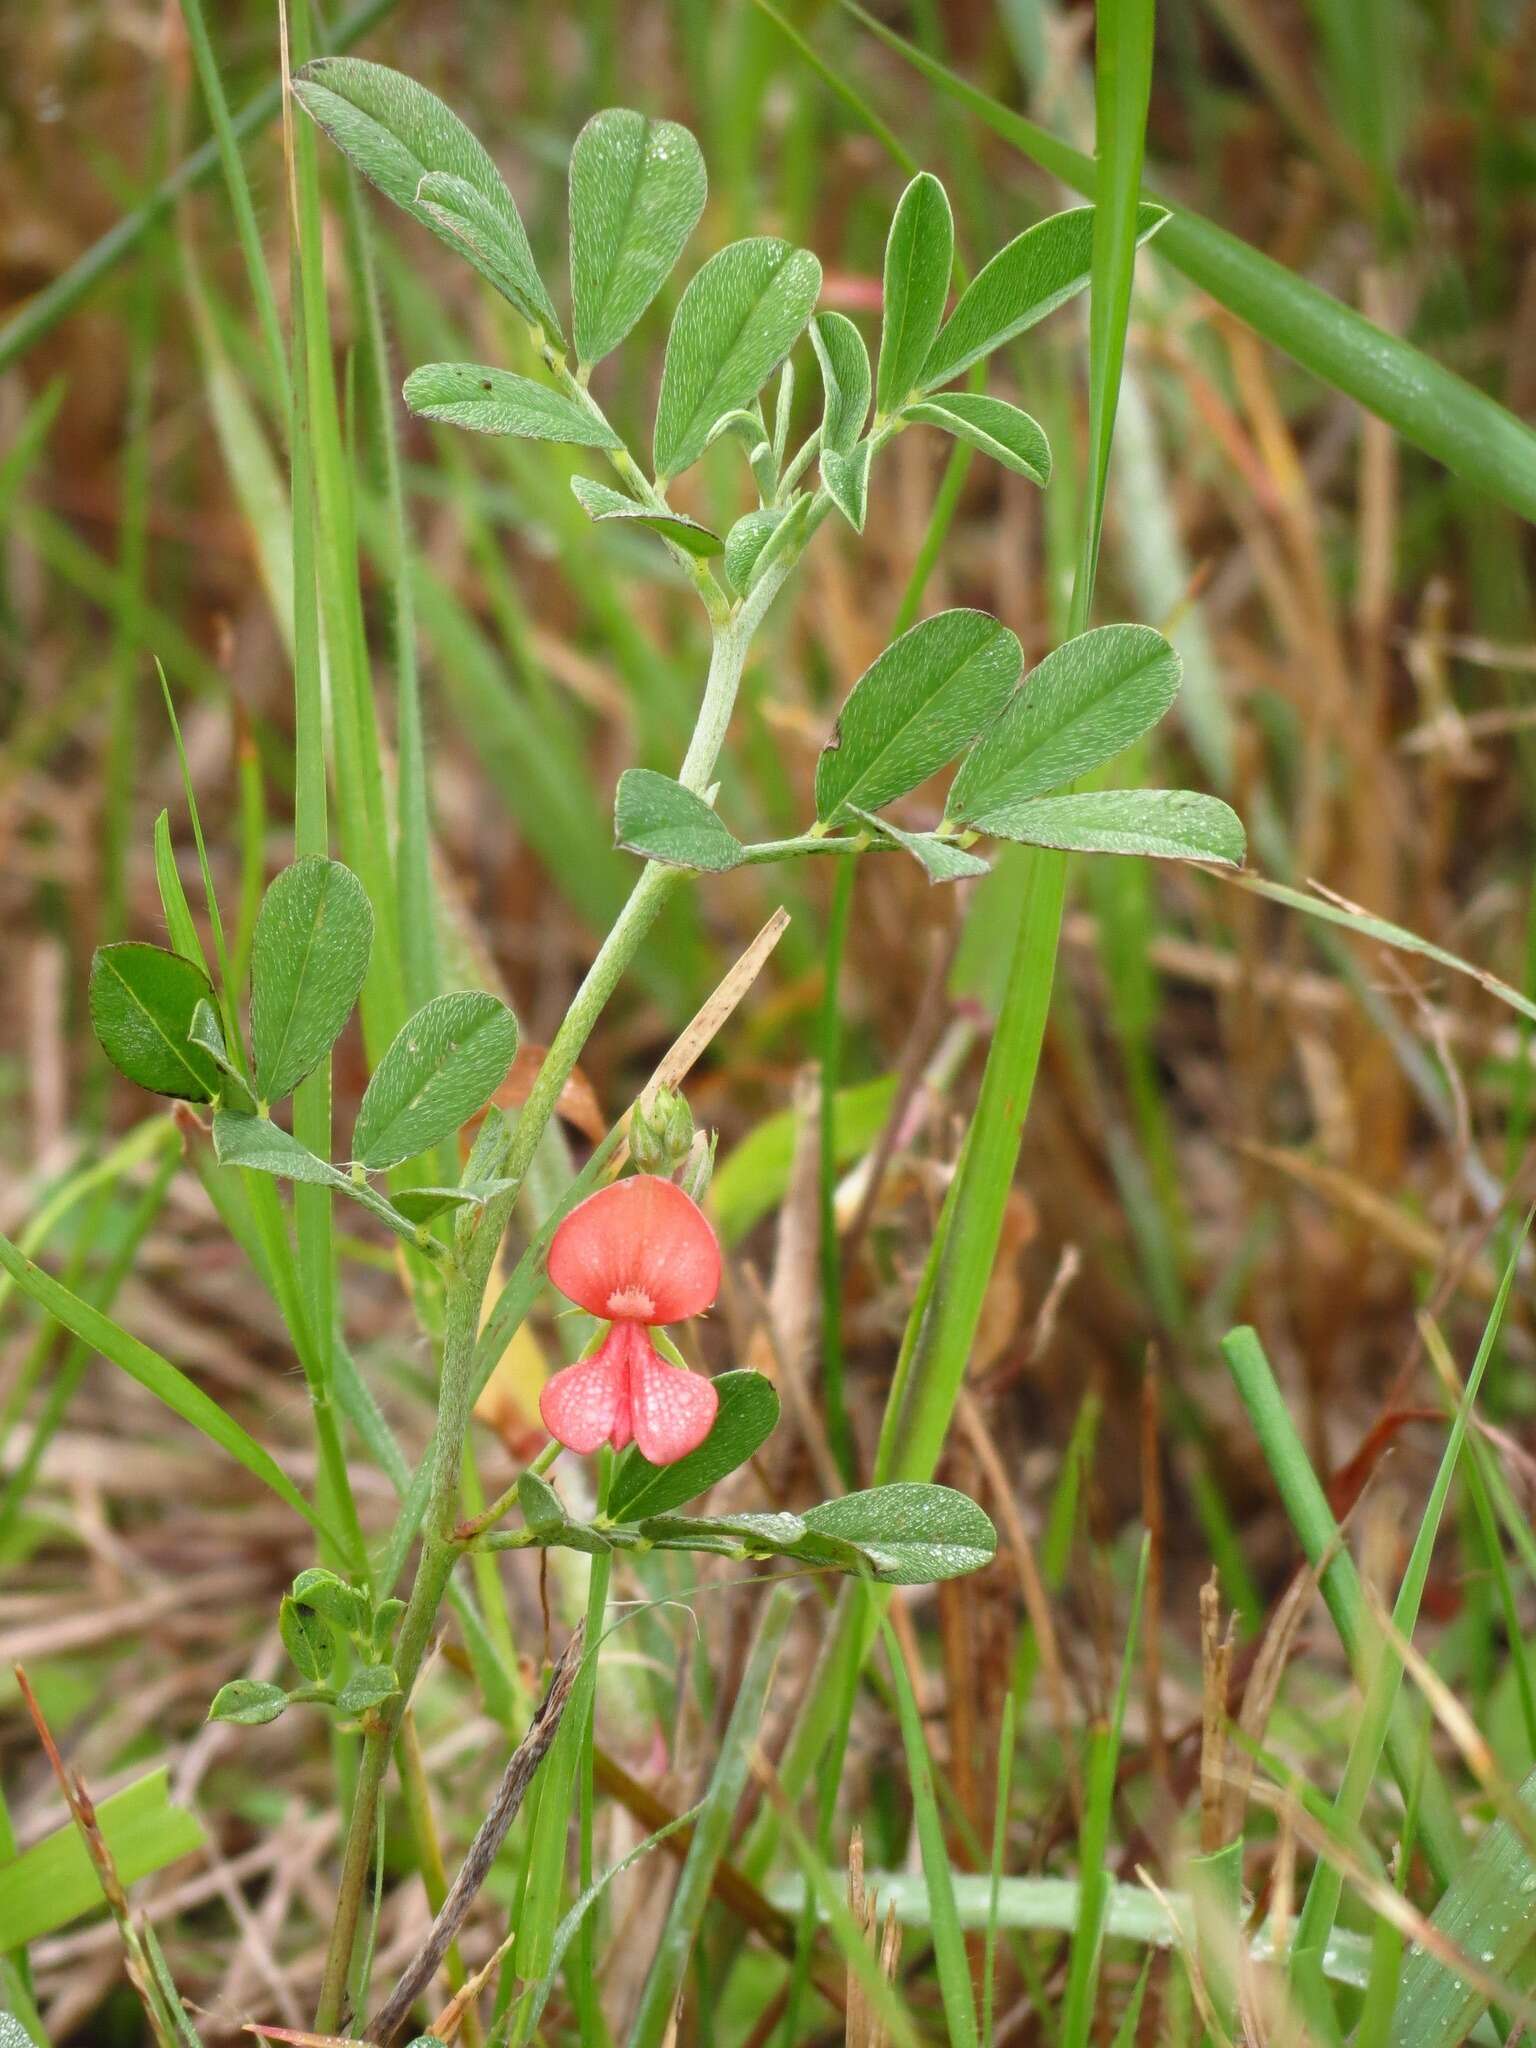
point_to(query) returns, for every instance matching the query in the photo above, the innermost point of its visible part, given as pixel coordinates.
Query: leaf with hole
(309, 960)
(657, 817)
(746, 1418)
(637, 189)
(740, 316)
(911, 1534)
(914, 708)
(1034, 274)
(919, 254)
(992, 426)
(331, 1596)
(308, 1638)
(445, 1063)
(845, 381)
(1085, 703)
(491, 401)
(398, 134)
(142, 1001)
(940, 859)
(598, 501)
(1166, 824)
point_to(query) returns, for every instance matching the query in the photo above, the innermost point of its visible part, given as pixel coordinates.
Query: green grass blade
(54, 1881)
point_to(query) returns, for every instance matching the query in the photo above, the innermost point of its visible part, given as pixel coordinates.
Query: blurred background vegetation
(1241, 1114)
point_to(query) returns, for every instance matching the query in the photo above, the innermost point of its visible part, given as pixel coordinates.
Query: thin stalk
(839, 1429)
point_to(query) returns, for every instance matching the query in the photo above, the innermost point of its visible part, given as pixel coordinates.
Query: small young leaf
(771, 1532)
(207, 1034)
(1167, 824)
(637, 190)
(397, 133)
(490, 401)
(1085, 703)
(847, 480)
(369, 1687)
(914, 708)
(919, 253)
(746, 1418)
(142, 1002)
(542, 1507)
(991, 425)
(386, 1619)
(574, 1536)
(746, 541)
(248, 1703)
(308, 1638)
(309, 960)
(420, 1205)
(736, 322)
(478, 228)
(940, 859)
(657, 817)
(333, 1597)
(911, 1534)
(789, 533)
(265, 1147)
(599, 502)
(845, 381)
(1037, 272)
(445, 1063)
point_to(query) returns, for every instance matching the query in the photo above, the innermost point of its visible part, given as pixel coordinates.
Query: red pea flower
(637, 1254)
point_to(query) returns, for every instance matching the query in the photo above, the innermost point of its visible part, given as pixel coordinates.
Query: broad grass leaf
(1085, 703)
(1167, 824)
(1034, 274)
(491, 401)
(397, 133)
(845, 381)
(655, 816)
(444, 1064)
(919, 255)
(912, 1534)
(740, 316)
(54, 1881)
(992, 426)
(309, 960)
(598, 501)
(914, 708)
(637, 189)
(157, 1375)
(746, 1418)
(143, 1000)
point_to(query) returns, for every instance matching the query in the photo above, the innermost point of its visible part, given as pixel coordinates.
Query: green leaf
(333, 1597)
(1085, 703)
(541, 1506)
(308, 1638)
(1168, 824)
(1034, 274)
(248, 1702)
(736, 322)
(745, 543)
(445, 1063)
(368, 1687)
(747, 1416)
(637, 190)
(773, 1533)
(912, 1534)
(914, 709)
(420, 1205)
(991, 425)
(919, 254)
(847, 480)
(309, 960)
(845, 381)
(207, 1034)
(490, 401)
(54, 1881)
(657, 817)
(397, 133)
(142, 1002)
(940, 859)
(599, 502)
(265, 1147)
(477, 227)
(181, 1395)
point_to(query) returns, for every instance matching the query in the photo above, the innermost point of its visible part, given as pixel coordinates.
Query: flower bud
(660, 1132)
(698, 1168)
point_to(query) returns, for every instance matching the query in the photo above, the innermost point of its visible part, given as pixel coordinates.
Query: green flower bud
(660, 1132)
(699, 1167)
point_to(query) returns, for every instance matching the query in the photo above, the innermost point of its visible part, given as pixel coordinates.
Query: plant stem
(839, 1429)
